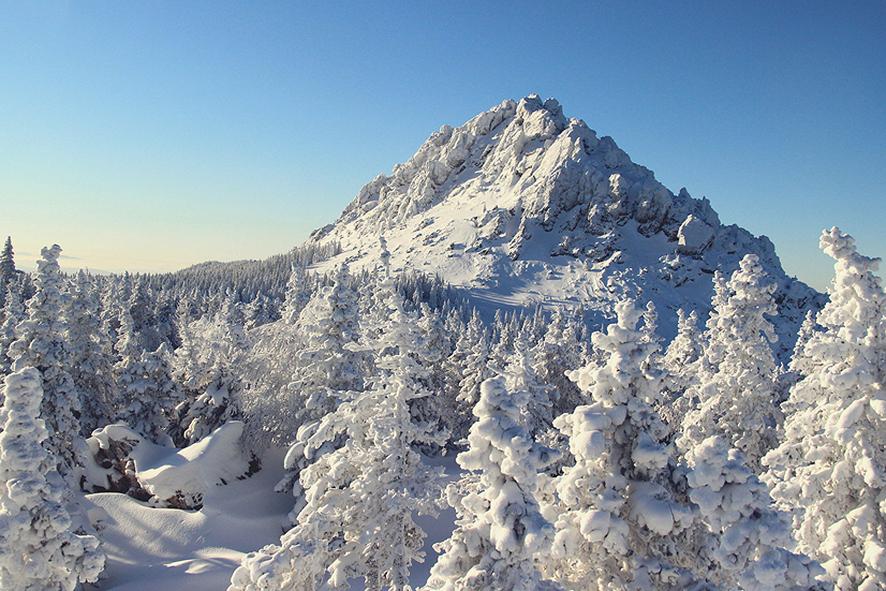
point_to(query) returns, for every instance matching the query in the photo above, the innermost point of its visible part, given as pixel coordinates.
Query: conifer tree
(629, 515)
(39, 549)
(41, 343)
(362, 497)
(92, 369)
(7, 268)
(499, 528)
(13, 313)
(738, 393)
(682, 368)
(830, 468)
(556, 353)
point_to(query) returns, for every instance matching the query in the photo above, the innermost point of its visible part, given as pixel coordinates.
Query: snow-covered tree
(747, 537)
(629, 515)
(147, 391)
(682, 370)
(615, 511)
(13, 313)
(298, 294)
(800, 363)
(556, 353)
(91, 367)
(39, 549)
(499, 529)
(440, 406)
(362, 496)
(141, 308)
(207, 366)
(830, 468)
(41, 343)
(738, 393)
(8, 271)
(521, 377)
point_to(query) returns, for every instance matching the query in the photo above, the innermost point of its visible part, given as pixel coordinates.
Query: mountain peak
(522, 204)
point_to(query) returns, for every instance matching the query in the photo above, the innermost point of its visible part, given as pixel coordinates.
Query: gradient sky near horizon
(151, 136)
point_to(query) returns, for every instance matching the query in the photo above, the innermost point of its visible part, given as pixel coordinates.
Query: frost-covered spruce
(738, 390)
(39, 551)
(362, 497)
(800, 363)
(521, 377)
(557, 352)
(41, 343)
(207, 366)
(8, 271)
(91, 367)
(13, 313)
(745, 548)
(141, 309)
(474, 350)
(326, 366)
(615, 511)
(298, 294)
(499, 528)
(682, 370)
(440, 407)
(830, 469)
(468, 366)
(148, 394)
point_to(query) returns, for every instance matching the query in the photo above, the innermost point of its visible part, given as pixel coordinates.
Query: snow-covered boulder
(693, 235)
(124, 461)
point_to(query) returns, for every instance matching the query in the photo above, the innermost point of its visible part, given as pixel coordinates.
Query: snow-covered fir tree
(41, 342)
(499, 529)
(363, 496)
(8, 271)
(521, 378)
(738, 389)
(207, 366)
(800, 359)
(616, 511)
(39, 548)
(830, 468)
(91, 367)
(146, 389)
(557, 352)
(13, 313)
(747, 536)
(682, 370)
(298, 294)
(327, 368)
(630, 516)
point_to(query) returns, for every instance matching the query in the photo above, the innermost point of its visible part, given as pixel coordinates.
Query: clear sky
(154, 135)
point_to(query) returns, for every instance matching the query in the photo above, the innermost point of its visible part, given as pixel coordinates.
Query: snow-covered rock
(124, 461)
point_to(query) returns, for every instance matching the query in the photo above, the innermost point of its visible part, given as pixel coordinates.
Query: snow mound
(124, 461)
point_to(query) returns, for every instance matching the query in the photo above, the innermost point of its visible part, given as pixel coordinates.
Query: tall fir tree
(363, 496)
(738, 394)
(91, 367)
(41, 342)
(39, 549)
(13, 313)
(830, 468)
(499, 529)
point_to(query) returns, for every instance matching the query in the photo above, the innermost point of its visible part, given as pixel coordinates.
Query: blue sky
(151, 136)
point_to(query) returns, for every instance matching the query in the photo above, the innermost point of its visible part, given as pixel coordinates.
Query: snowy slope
(521, 205)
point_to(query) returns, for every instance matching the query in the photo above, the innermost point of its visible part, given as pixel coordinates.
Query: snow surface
(152, 548)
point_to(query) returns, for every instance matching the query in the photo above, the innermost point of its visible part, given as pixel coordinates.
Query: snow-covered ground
(151, 549)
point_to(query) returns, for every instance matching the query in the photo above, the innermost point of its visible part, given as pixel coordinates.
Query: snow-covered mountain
(522, 205)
